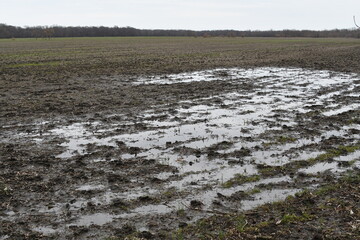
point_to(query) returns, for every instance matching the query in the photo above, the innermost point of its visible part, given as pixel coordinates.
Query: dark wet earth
(271, 134)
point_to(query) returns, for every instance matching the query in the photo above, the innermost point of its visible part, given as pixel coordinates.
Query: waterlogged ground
(265, 134)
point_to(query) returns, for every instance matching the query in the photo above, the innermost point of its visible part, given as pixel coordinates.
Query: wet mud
(237, 139)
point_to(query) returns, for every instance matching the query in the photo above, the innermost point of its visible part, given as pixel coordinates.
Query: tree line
(8, 31)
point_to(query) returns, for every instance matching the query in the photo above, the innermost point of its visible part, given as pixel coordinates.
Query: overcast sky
(184, 14)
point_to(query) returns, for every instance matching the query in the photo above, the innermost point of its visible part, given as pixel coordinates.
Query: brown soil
(50, 86)
(48, 78)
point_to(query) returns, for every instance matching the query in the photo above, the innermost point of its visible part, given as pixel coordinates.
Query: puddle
(237, 121)
(357, 164)
(104, 218)
(321, 167)
(206, 198)
(90, 188)
(266, 119)
(46, 231)
(342, 110)
(215, 176)
(188, 136)
(268, 196)
(335, 166)
(147, 210)
(355, 156)
(94, 219)
(322, 78)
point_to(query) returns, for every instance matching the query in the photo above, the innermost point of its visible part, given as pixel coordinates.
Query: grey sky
(184, 14)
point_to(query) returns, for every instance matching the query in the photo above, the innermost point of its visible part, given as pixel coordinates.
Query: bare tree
(48, 32)
(356, 23)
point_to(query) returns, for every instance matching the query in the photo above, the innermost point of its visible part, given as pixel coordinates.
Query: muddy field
(154, 138)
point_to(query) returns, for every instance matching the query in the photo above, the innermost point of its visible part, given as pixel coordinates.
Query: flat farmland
(63, 73)
(179, 138)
